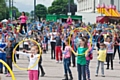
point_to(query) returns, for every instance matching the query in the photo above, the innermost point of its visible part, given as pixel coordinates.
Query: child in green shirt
(81, 59)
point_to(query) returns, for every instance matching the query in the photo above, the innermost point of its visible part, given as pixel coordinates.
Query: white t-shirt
(52, 34)
(26, 43)
(109, 49)
(32, 60)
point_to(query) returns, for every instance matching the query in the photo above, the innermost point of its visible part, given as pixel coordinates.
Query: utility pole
(68, 5)
(118, 6)
(34, 9)
(94, 6)
(10, 9)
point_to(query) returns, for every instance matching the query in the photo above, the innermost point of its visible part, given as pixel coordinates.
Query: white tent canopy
(4, 21)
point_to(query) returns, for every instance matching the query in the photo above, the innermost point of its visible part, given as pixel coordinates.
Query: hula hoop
(113, 33)
(79, 29)
(6, 65)
(33, 64)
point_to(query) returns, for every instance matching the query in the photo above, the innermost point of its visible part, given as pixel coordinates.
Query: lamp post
(9, 9)
(94, 6)
(118, 5)
(12, 10)
(34, 8)
(68, 5)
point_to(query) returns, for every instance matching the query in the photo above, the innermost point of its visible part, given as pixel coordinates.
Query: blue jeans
(87, 69)
(81, 72)
(102, 67)
(2, 57)
(67, 65)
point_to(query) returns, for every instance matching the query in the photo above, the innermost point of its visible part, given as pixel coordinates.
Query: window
(112, 2)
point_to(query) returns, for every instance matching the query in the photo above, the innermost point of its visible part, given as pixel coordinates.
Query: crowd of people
(105, 36)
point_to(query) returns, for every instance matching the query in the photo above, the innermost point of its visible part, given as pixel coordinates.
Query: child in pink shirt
(67, 55)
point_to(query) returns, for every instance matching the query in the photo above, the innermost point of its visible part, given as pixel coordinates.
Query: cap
(11, 39)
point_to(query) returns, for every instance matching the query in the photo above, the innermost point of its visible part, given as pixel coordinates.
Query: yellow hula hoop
(80, 29)
(112, 30)
(11, 73)
(35, 62)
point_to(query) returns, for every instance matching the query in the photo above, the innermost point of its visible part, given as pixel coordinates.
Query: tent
(4, 21)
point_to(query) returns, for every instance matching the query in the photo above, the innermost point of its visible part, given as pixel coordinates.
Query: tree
(16, 12)
(40, 11)
(61, 7)
(32, 14)
(27, 13)
(3, 9)
(58, 7)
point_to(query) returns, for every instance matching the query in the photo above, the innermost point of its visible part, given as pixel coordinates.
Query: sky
(28, 5)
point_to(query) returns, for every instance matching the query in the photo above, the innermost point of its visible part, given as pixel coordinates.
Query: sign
(69, 14)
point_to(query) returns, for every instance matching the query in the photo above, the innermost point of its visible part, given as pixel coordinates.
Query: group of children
(62, 50)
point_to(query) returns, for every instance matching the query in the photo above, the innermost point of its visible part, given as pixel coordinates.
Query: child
(40, 61)
(2, 54)
(101, 58)
(110, 51)
(67, 55)
(81, 59)
(9, 50)
(88, 58)
(33, 56)
(58, 48)
(45, 42)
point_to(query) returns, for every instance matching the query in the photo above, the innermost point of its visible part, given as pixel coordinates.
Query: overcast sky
(28, 5)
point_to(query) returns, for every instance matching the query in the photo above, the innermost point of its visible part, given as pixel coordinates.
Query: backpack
(91, 56)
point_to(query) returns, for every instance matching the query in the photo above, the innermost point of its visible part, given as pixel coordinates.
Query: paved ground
(54, 71)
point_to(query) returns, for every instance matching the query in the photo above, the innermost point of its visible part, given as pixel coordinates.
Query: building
(87, 8)
(90, 5)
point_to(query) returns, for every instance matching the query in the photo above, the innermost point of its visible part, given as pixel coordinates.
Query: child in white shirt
(33, 56)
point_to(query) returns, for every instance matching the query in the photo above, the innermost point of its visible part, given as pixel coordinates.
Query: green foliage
(17, 12)
(61, 7)
(41, 11)
(3, 9)
(27, 14)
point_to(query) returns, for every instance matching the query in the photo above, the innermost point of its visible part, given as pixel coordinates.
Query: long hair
(24, 13)
(85, 41)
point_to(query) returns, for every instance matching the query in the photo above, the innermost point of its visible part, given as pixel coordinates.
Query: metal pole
(9, 8)
(12, 9)
(94, 6)
(69, 6)
(34, 8)
(118, 6)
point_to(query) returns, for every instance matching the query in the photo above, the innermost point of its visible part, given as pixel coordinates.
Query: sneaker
(73, 66)
(7, 75)
(57, 61)
(103, 75)
(43, 74)
(60, 62)
(96, 75)
(111, 68)
(107, 68)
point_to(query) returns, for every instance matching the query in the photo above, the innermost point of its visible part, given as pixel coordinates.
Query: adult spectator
(23, 20)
